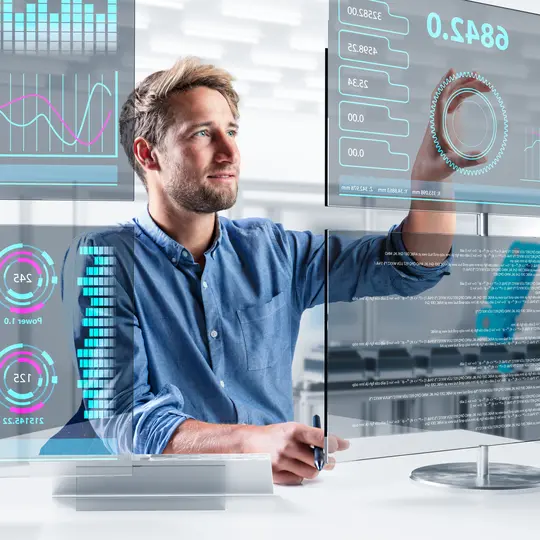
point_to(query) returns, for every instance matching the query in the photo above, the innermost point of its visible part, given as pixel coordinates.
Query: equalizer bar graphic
(77, 29)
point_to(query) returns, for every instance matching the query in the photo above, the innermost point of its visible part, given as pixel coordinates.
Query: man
(217, 303)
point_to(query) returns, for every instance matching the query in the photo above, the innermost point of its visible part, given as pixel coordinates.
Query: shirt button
(222, 384)
(205, 285)
(214, 334)
(185, 254)
(173, 260)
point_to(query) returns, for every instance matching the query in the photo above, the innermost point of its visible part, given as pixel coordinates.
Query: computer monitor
(66, 67)
(63, 349)
(449, 357)
(395, 70)
(66, 381)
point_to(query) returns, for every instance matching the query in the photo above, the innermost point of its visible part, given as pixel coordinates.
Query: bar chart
(79, 28)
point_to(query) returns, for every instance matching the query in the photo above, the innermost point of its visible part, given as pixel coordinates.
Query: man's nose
(227, 150)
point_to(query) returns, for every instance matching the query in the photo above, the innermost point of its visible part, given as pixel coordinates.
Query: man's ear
(145, 155)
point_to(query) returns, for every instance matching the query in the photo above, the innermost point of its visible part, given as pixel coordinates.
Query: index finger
(471, 86)
(472, 82)
(336, 444)
(450, 89)
(315, 437)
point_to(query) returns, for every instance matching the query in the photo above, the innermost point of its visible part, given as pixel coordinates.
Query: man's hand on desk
(289, 446)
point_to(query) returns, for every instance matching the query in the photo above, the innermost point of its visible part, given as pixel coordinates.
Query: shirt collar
(175, 252)
(218, 235)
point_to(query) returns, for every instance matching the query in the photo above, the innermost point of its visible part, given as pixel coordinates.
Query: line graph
(532, 156)
(532, 145)
(58, 116)
(62, 121)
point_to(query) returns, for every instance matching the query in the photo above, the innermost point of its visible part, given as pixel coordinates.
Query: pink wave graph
(64, 123)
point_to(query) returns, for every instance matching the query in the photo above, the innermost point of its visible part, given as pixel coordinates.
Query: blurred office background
(275, 49)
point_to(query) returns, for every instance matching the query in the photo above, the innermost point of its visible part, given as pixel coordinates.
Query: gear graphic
(488, 166)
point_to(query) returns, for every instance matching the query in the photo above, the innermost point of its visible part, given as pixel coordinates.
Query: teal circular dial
(492, 124)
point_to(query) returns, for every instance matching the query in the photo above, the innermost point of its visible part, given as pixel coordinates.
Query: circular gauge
(27, 378)
(27, 278)
(483, 131)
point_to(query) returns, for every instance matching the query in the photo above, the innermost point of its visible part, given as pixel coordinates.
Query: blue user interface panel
(66, 68)
(433, 101)
(64, 347)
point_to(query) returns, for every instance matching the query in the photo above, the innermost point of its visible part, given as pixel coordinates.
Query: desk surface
(367, 499)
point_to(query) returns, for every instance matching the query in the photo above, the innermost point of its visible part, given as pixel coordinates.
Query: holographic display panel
(460, 76)
(435, 366)
(67, 66)
(62, 348)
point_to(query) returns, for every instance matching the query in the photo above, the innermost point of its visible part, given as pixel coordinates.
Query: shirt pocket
(266, 332)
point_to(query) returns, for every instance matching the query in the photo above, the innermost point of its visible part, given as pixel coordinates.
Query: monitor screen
(416, 83)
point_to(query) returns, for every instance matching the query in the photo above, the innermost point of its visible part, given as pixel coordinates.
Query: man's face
(200, 161)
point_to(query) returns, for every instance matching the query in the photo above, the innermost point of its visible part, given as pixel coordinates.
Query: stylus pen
(318, 453)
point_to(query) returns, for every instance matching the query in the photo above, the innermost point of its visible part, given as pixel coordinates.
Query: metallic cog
(450, 163)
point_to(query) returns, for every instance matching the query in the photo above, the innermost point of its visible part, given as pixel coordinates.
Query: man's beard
(187, 192)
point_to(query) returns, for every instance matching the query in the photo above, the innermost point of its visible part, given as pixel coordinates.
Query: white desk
(372, 500)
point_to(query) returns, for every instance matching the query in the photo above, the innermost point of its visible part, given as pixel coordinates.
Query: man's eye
(233, 133)
(204, 131)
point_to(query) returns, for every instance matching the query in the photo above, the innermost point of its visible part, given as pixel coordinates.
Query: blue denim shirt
(217, 345)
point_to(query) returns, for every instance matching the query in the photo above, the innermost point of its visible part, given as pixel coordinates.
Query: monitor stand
(181, 482)
(479, 476)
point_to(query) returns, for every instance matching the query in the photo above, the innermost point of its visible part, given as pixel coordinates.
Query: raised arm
(373, 265)
(429, 229)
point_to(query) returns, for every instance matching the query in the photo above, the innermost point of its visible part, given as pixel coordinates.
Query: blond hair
(146, 112)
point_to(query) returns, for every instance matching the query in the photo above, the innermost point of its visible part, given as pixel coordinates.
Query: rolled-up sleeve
(373, 265)
(141, 422)
(408, 268)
